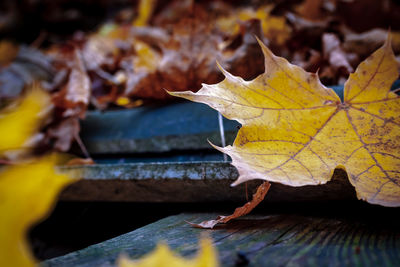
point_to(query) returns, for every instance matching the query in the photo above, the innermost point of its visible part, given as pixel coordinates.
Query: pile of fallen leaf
(174, 46)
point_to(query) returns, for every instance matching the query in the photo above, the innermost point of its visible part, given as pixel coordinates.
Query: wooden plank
(187, 182)
(263, 240)
(178, 126)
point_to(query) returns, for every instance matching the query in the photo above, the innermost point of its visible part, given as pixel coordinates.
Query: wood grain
(262, 240)
(188, 182)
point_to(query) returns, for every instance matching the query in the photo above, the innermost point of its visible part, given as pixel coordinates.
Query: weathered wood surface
(264, 240)
(187, 182)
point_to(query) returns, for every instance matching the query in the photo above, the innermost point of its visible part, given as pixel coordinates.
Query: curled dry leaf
(296, 131)
(258, 196)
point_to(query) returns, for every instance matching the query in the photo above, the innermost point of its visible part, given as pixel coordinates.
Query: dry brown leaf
(187, 60)
(174, 12)
(366, 42)
(98, 51)
(258, 196)
(8, 51)
(310, 9)
(335, 55)
(74, 97)
(309, 60)
(236, 59)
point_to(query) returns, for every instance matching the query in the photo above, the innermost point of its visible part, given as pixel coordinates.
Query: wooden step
(262, 240)
(187, 182)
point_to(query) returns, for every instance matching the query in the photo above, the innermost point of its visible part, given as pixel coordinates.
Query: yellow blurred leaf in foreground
(27, 193)
(162, 256)
(20, 123)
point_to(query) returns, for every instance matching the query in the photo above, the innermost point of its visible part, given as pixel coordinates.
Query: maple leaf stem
(82, 146)
(396, 90)
(247, 193)
(5, 162)
(222, 133)
(258, 196)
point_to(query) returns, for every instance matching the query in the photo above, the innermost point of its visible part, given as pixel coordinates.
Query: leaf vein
(370, 79)
(309, 141)
(371, 154)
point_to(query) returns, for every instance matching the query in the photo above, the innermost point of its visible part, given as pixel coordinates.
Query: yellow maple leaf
(22, 121)
(162, 256)
(296, 131)
(27, 193)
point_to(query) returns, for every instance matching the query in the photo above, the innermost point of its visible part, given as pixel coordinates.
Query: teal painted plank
(264, 240)
(178, 126)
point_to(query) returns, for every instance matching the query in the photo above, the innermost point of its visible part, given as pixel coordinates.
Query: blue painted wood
(195, 156)
(339, 90)
(178, 126)
(146, 122)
